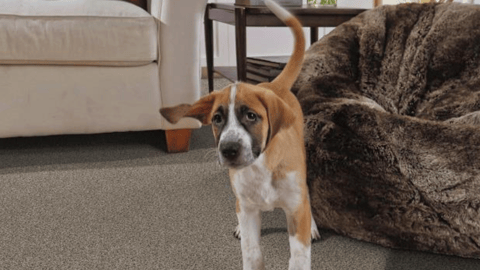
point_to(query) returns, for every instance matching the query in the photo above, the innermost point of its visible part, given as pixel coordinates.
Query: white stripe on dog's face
(234, 137)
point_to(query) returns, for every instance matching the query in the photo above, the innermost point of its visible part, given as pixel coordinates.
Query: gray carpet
(118, 201)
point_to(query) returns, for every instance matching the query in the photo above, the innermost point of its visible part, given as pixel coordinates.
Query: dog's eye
(251, 116)
(217, 119)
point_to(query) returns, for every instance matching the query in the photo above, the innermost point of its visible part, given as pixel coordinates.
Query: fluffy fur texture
(392, 103)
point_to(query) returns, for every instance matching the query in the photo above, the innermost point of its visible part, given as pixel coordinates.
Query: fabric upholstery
(93, 66)
(180, 70)
(49, 100)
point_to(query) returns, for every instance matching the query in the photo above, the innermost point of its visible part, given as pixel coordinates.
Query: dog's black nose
(230, 150)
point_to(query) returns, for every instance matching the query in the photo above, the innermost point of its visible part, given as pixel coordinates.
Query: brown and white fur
(258, 131)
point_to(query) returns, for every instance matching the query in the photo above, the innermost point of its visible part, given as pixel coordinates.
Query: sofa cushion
(81, 32)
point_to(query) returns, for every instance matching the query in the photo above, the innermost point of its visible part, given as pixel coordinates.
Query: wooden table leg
(209, 48)
(241, 43)
(178, 140)
(313, 35)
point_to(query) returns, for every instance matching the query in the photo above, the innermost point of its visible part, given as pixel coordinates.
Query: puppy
(258, 131)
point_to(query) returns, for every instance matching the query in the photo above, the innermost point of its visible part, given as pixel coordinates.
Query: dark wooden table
(243, 16)
(140, 3)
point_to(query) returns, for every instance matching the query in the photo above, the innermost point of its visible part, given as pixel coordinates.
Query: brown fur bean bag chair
(392, 112)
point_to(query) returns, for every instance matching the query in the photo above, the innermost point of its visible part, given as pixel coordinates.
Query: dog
(258, 132)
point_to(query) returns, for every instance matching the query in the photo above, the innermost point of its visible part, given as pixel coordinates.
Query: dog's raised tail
(287, 77)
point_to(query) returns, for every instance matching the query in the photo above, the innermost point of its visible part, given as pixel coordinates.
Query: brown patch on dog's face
(219, 114)
(275, 113)
(252, 115)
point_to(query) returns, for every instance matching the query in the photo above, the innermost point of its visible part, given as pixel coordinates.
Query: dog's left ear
(200, 110)
(279, 114)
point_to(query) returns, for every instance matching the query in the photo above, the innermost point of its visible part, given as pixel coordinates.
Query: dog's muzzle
(230, 151)
(235, 154)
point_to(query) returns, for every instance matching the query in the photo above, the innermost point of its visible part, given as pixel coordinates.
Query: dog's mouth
(239, 162)
(234, 164)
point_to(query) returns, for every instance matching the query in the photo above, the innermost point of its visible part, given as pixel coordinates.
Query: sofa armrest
(179, 38)
(154, 7)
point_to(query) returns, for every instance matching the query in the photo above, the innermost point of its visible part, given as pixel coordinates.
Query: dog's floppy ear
(279, 114)
(200, 110)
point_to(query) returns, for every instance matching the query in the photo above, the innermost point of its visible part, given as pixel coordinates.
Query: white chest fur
(256, 188)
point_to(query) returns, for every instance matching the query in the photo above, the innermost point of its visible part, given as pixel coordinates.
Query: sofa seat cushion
(82, 32)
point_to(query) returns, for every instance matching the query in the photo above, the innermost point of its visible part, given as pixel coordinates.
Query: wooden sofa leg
(178, 140)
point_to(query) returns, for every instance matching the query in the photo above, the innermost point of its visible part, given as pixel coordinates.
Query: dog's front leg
(300, 233)
(249, 221)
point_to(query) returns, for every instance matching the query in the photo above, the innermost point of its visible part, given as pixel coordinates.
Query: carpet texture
(118, 201)
(391, 102)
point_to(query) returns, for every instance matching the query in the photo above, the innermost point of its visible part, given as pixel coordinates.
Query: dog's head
(244, 119)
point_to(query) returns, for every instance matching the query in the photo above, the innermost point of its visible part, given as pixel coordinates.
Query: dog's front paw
(236, 233)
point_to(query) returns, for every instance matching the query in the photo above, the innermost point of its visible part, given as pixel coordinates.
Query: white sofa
(96, 66)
